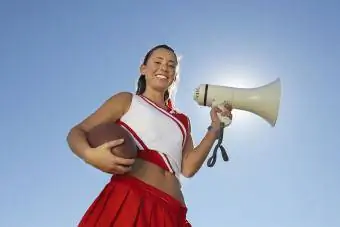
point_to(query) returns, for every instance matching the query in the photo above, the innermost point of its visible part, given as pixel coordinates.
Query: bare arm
(194, 157)
(110, 111)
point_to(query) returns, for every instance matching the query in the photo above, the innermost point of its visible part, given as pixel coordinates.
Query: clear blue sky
(60, 61)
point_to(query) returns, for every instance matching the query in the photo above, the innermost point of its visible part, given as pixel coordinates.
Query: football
(107, 132)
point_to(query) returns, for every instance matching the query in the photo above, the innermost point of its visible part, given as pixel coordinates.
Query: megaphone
(263, 101)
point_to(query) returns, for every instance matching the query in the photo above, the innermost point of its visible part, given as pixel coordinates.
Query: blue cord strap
(212, 160)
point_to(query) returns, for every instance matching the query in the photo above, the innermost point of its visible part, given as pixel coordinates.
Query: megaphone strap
(212, 160)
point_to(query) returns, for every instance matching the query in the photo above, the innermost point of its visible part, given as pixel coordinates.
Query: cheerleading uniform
(127, 201)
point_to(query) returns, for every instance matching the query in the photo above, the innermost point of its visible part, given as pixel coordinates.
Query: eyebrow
(163, 59)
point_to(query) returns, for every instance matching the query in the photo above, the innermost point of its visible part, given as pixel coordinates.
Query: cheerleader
(146, 191)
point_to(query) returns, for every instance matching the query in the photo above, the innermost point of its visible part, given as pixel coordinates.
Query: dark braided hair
(141, 84)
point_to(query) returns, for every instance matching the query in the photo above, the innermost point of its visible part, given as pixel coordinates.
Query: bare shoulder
(119, 102)
(123, 98)
(110, 111)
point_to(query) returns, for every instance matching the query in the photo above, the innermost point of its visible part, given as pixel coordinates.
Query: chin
(160, 86)
(161, 89)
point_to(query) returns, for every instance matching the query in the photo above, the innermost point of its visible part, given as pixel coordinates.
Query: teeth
(161, 77)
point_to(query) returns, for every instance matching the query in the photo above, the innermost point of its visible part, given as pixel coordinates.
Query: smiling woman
(157, 57)
(145, 191)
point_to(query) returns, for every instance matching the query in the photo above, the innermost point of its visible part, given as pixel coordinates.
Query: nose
(164, 67)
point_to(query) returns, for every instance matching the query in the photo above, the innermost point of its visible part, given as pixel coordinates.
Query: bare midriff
(157, 177)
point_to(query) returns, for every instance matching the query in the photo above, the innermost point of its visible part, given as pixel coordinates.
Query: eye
(158, 62)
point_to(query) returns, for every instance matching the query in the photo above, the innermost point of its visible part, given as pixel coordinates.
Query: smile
(159, 76)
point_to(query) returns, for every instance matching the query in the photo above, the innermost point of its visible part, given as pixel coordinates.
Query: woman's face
(160, 69)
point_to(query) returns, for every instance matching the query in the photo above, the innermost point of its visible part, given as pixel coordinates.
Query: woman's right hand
(102, 158)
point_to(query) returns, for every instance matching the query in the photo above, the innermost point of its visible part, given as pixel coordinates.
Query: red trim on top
(184, 120)
(167, 159)
(154, 157)
(169, 104)
(168, 108)
(178, 122)
(145, 153)
(134, 134)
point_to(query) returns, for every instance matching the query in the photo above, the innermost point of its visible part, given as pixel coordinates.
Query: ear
(175, 78)
(142, 69)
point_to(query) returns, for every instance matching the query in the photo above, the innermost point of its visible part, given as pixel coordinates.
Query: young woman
(145, 192)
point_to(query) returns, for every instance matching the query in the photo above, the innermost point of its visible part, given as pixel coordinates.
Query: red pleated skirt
(129, 202)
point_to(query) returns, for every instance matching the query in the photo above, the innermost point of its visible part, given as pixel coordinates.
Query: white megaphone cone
(263, 101)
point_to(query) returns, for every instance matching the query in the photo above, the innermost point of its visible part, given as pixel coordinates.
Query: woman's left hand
(226, 111)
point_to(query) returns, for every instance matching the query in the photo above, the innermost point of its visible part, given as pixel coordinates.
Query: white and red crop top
(159, 134)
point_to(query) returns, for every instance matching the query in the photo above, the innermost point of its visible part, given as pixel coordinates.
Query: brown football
(111, 131)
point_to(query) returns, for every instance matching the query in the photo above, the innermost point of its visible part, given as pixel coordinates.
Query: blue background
(61, 60)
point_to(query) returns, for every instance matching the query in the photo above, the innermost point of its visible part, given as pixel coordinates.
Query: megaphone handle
(212, 160)
(224, 119)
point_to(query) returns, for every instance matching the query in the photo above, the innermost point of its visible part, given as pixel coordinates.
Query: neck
(156, 97)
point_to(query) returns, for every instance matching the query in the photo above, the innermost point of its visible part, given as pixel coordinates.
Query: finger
(227, 114)
(216, 109)
(113, 143)
(123, 161)
(228, 106)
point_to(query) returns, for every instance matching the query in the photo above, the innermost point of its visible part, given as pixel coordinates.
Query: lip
(162, 75)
